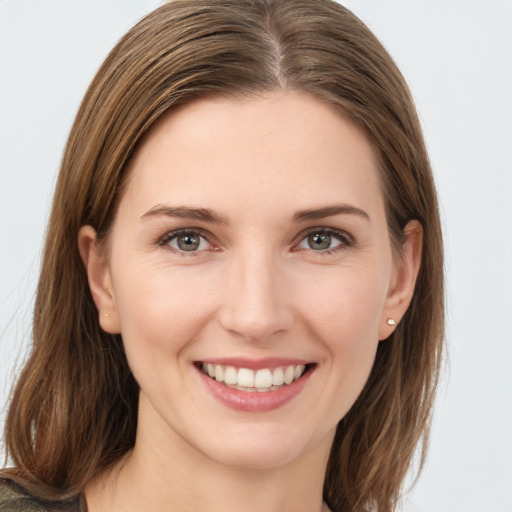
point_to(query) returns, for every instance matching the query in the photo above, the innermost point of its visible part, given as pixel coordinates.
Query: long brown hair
(73, 410)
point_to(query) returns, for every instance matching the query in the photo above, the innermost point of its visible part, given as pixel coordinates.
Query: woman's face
(250, 246)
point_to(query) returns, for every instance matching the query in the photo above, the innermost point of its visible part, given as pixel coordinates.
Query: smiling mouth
(262, 380)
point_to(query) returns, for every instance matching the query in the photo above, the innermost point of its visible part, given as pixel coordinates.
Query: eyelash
(343, 237)
(172, 235)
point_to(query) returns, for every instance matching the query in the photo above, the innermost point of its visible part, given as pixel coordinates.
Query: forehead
(284, 146)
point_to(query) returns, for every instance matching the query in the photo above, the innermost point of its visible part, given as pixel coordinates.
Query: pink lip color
(256, 364)
(255, 401)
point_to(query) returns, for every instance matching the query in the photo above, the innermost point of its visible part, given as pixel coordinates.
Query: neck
(166, 473)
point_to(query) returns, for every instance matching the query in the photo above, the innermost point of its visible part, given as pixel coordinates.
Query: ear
(406, 271)
(100, 281)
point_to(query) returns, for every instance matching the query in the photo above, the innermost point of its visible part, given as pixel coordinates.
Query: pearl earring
(391, 322)
(106, 315)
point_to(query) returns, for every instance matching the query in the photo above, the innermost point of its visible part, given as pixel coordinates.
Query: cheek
(159, 308)
(344, 314)
(345, 307)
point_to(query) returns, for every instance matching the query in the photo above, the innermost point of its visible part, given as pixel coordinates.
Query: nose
(257, 302)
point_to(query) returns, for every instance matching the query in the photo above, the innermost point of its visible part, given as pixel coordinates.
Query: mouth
(260, 380)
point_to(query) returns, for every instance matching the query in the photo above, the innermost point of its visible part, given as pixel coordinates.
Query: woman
(241, 299)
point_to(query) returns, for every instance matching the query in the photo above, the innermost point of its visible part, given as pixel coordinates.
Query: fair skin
(283, 259)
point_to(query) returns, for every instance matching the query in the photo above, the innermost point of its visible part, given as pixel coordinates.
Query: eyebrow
(207, 215)
(329, 211)
(184, 212)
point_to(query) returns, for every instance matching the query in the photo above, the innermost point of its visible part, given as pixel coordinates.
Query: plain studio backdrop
(457, 58)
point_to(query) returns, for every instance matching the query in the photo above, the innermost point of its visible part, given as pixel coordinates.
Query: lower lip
(255, 401)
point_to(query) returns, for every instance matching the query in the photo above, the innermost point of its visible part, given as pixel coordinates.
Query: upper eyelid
(343, 234)
(317, 229)
(169, 235)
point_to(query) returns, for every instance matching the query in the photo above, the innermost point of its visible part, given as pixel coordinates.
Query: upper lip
(255, 364)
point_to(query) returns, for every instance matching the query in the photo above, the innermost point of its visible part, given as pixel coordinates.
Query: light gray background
(457, 57)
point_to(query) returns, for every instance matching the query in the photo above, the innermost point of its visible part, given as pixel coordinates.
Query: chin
(256, 458)
(266, 447)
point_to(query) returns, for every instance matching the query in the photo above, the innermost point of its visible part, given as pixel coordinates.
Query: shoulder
(14, 498)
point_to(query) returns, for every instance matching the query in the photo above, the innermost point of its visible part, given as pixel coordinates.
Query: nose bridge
(256, 303)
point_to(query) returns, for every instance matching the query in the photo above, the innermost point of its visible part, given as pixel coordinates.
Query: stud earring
(106, 315)
(391, 322)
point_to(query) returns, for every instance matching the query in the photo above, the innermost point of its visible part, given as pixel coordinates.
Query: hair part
(74, 408)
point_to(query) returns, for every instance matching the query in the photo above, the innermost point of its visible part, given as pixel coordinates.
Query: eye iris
(319, 241)
(188, 242)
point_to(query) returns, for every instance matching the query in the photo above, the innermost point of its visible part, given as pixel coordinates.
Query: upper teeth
(262, 379)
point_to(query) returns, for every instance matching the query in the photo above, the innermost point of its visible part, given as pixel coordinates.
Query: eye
(186, 241)
(325, 240)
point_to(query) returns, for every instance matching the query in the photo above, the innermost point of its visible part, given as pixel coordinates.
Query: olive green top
(14, 498)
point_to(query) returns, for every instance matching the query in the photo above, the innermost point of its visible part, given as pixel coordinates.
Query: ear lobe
(406, 272)
(99, 278)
